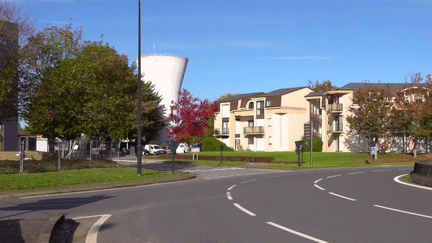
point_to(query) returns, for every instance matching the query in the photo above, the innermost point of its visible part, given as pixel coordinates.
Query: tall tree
(321, 86)
(190, 119)
(94, 93)
(409, 114)
(370, 112)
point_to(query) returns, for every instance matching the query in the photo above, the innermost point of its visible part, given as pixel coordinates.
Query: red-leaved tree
(190, 118)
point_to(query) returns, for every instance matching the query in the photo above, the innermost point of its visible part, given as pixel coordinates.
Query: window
(225, 128)
(260, 108)
(250, 123)
(251, 105)
(268, 102)
(270, 140)
(269, 122)
(250, 141)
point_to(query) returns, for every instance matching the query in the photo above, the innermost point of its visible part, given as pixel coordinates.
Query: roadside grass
(319, 159)
(75, 176)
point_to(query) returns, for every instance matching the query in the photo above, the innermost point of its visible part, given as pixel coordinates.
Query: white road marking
(333, 176)
(248, 181)
(396, 179)
(229, 189)
(229, 196)
(218, 177)
(244, 209)
(315, 182)
(319, 187)
(379, 170)
(406, 212)
(355, 173)
(347, 198)
(296, 233)
(93, 231)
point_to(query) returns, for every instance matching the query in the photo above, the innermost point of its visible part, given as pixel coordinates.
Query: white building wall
(280, 133)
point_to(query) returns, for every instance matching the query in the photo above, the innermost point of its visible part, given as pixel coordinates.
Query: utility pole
(139, 148)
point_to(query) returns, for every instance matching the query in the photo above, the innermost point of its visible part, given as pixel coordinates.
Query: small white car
(182, 148)
(154, 149)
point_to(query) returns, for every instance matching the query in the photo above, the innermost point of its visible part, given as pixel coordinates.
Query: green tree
(370, 112)
(321, 87)
(409, 114)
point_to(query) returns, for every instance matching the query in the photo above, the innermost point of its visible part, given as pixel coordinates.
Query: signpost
(172, 145)
(299, 146)
(195, 150)
(221, 149)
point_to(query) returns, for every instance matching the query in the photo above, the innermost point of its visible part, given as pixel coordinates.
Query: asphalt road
(250, 205)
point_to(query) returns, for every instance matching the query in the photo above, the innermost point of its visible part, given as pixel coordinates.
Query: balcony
(253, 131)
(224, 132)
(336, 128)
(335, 108)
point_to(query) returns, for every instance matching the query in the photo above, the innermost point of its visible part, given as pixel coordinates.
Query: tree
(409, 114)
(92, 94)
(190, 118)
(324, 86)
(227, 95)
(370, 112)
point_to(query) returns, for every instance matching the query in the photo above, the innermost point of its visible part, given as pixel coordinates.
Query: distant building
(9, 114)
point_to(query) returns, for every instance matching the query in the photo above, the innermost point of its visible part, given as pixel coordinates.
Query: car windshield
(157, 147)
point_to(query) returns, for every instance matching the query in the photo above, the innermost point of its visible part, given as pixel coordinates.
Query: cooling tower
(166, 72)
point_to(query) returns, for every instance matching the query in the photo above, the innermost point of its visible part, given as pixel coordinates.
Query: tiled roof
(313, 94)
(240, 96)
(280, 92)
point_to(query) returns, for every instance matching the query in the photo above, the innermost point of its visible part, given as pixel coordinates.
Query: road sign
(373, 151)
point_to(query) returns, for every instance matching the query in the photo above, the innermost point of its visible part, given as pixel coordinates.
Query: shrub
(212, 144)
(317, 144)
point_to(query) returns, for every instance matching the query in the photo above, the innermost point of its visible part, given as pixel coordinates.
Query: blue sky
(261, 46)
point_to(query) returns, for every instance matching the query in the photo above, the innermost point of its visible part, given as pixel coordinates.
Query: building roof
(240, 96)
(363, 85)
(280, 92)
(315, 94)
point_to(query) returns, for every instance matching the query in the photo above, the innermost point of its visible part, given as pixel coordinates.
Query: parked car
(165, 149)
(154, 149)
(145, 151)
(182, 148)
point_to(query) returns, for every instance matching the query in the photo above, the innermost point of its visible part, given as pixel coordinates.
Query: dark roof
(393, 86)
(280, 92)
(240, 96)
(313, 94)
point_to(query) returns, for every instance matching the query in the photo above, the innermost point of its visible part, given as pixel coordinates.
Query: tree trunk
(376, 150)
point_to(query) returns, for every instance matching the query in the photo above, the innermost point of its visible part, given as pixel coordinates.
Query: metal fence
(87, 149)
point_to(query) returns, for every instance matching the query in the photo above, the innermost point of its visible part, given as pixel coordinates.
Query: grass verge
(107, 176)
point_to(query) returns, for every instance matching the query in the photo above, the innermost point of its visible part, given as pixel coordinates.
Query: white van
(154, 149)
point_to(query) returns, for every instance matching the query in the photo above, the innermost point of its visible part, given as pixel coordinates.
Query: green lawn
(319, 159)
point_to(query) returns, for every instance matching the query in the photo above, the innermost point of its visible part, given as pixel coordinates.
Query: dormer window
(268, 103)
(251, 105)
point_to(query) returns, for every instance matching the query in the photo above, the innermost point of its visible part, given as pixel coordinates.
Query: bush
(317, 144)
(212, 144)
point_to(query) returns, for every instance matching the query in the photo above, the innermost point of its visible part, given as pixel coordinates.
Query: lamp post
(139, 153)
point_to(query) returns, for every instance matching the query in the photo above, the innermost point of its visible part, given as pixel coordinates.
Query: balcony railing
(221, 132)
(253, 130)
(335, 107)
(336, 128)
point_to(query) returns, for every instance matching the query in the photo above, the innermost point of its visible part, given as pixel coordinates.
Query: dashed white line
(355, 173)
(296, 233)
(229, 189)
(93, 231)
(379, 170)
(244, 209)
(229, 196)
(332, 176)
(315, 182)
(322, 189)
(248, 181)
(343, 197)
(405, 212)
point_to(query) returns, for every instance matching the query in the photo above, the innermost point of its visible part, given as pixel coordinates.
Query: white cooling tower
(166, 72)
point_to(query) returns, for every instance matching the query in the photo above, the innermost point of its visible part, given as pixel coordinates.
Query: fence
(87, 149)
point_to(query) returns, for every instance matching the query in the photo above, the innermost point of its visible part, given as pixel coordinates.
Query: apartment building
(263, 121)
(328, 112)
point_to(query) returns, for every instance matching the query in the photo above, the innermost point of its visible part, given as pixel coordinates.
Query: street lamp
(139, 148)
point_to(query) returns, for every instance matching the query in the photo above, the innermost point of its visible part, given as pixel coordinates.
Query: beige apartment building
(263, 121)
(328, 113)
